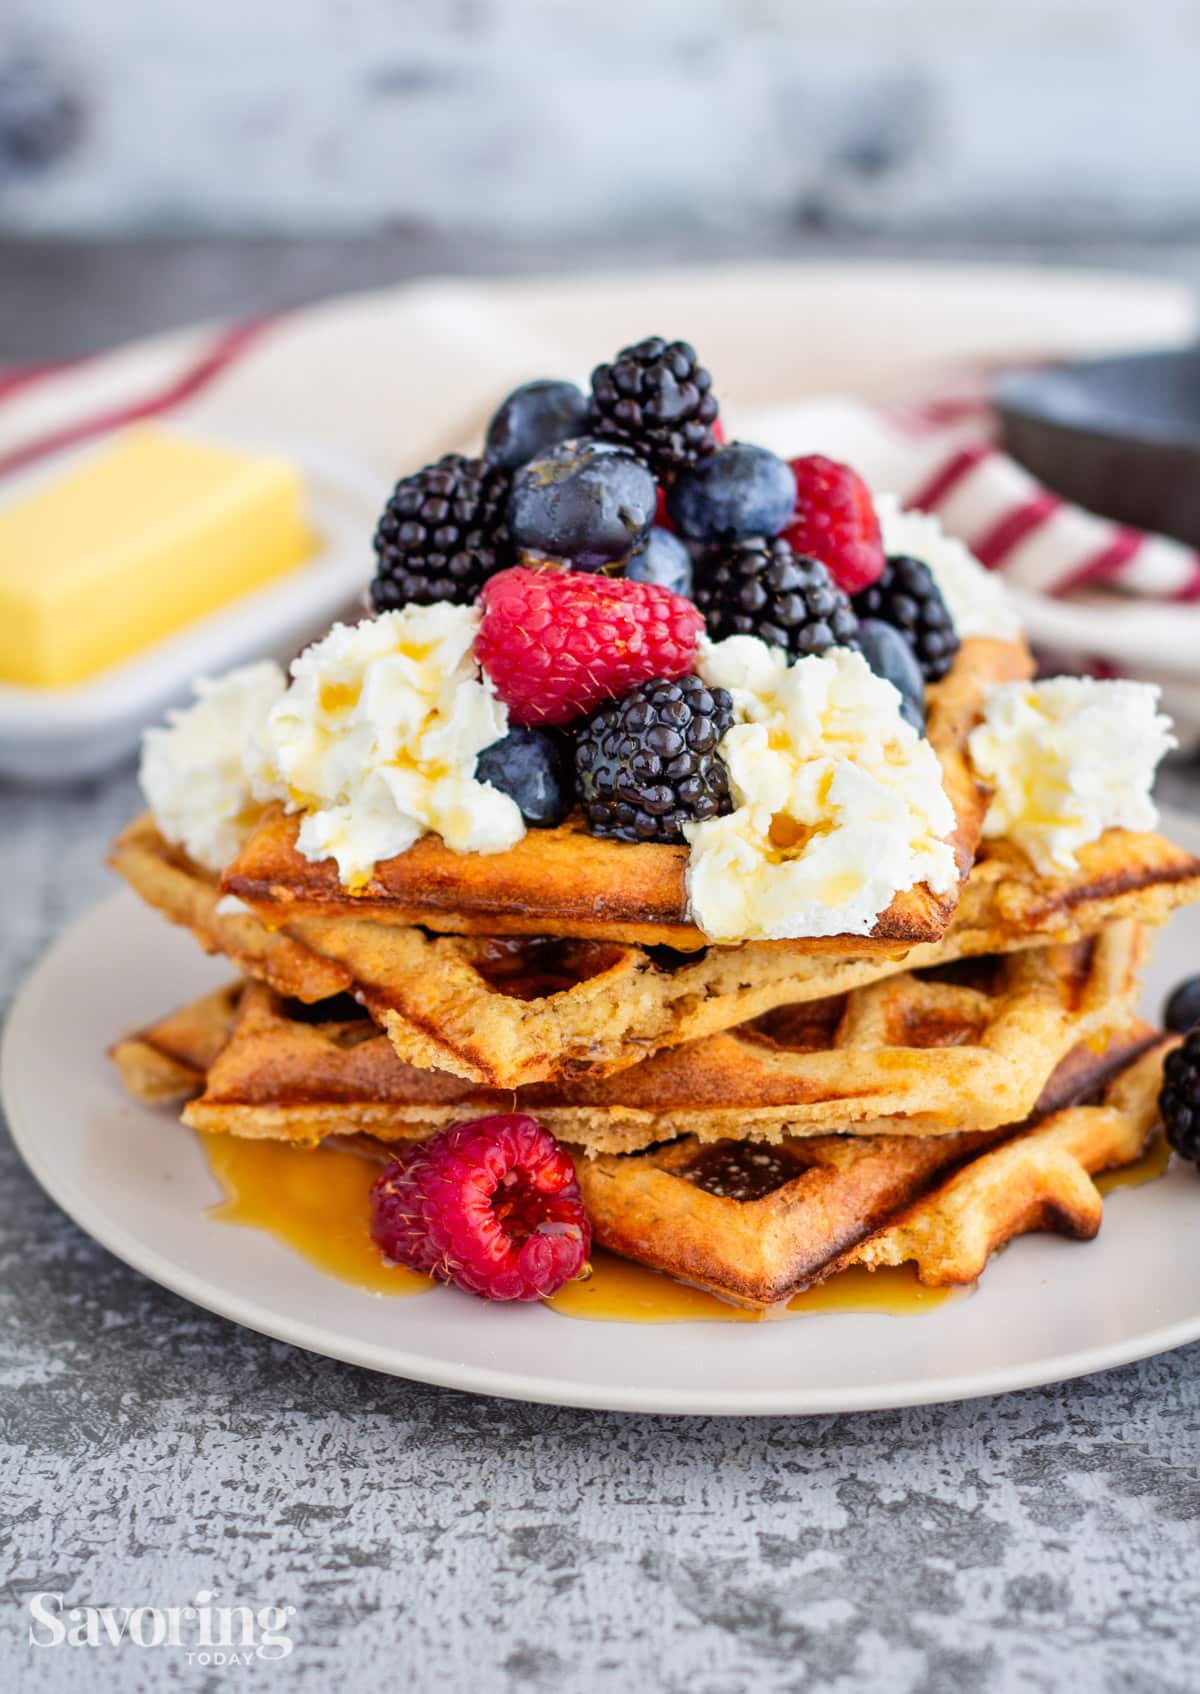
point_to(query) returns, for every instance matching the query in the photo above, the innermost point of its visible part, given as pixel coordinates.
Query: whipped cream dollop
(975, 597)
(1067, 759)
(193, 771)
(375, 741)
(839, 803)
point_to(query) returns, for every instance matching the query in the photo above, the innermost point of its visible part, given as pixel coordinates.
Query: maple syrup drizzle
(315, 1201)
(1152, 1164)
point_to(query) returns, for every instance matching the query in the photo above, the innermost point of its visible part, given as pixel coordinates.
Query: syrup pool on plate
(315, 1201)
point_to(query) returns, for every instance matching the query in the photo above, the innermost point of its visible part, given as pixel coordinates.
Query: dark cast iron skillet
(1120, 436)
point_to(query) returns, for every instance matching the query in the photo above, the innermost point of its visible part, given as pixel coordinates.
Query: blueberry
(584, 501)
(535, 417)
(737, 492)
(890, 656)
(535, 769)
(1183, 1008)
(663, 560)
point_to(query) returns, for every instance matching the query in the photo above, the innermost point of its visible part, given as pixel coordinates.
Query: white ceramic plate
(1047, 1309)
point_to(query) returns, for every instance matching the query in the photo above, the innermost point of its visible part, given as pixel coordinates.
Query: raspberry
(835, 522)
(1179, 1102)
(492, 1206)
(558, 643)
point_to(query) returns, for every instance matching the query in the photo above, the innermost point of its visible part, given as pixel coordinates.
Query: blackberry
(1179, 1102)
(648, 764)
(657, 400)
(760, 587)
(442, 534)
(906, 596)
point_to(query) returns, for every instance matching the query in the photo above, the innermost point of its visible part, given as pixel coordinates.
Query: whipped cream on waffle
(375, 741)
(193, 771)
(975, 597)
(839, 803)
(1069, 758)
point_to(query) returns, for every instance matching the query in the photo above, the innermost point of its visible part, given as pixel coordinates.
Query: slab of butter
(135, 543)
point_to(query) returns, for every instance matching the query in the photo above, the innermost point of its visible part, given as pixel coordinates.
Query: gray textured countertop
(1039, 1541)
(428, 1539)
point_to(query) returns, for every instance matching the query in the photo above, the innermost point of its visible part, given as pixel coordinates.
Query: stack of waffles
(748, 1118)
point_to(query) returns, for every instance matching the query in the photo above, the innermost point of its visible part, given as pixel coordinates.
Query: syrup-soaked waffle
(921, 1056)
(757, 1225)
(565, 882)
(509, 1011)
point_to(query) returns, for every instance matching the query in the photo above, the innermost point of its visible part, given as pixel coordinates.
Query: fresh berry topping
(492, 1206)
(535, 417)
(648, 764)
(906, 596)
(835, 521)
(588, 502)
(762, 588)
(664, 560)
(656, 399)
(533, 767)
(556, 644)
(1179, 1102)
(1183, 1008)
(736, 492)
(441, 535)
(890, 656)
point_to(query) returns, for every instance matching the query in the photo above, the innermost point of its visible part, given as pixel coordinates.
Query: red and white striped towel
(941, 455)
(395, 378)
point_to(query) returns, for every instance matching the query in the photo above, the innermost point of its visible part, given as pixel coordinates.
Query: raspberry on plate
(556, 644)
(835, 522)
(492, 1206)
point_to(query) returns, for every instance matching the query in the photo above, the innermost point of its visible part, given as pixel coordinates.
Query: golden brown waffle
(915, 1055)
(506, 1012)
(164, 876)
(169, 1059)
(757, 1225)
(564, 882)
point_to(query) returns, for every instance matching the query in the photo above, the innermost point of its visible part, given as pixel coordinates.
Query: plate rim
(514, 1384)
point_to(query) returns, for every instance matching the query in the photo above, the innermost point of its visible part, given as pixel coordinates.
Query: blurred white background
(161, 160)
(303, 115)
